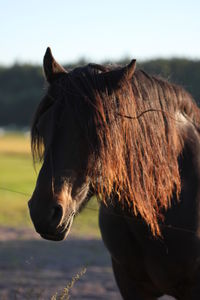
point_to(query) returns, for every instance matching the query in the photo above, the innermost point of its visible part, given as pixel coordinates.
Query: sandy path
(31, 268)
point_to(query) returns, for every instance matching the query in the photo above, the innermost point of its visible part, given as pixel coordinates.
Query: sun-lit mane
(134, 160)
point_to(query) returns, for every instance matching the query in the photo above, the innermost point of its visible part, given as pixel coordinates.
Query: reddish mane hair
(133, 158)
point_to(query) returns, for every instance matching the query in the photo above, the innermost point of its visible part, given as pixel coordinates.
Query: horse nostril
(56, 215)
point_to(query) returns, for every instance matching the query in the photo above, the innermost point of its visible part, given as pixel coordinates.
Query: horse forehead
(80, 70)
(91, 68)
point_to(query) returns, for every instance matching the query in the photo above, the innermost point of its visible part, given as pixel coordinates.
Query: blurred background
(162, 36)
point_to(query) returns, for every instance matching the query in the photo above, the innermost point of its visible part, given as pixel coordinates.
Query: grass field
(17, 174)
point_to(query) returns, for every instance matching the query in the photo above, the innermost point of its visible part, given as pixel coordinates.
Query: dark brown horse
(133, 140)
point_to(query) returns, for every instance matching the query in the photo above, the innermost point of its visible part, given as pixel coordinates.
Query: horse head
(63, 134)
(61, 184)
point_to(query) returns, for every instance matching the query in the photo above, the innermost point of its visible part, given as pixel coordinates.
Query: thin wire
(94, 209)
(146, 111)
(29, 195)
(14, 191)
(167, 114)
(110, 213)
(161, 225)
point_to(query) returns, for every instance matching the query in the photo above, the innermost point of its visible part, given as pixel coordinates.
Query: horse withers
(133, 140)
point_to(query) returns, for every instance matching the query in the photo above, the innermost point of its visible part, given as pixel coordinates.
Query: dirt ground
(32, 268)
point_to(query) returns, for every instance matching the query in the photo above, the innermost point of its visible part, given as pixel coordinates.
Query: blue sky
(98, 30)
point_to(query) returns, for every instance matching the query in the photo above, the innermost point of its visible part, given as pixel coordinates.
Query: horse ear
(129, 69)
(125, 73)
(117, 76)
(51, 67)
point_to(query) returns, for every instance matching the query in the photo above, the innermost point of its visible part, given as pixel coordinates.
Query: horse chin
(59, 235)
(50, 237)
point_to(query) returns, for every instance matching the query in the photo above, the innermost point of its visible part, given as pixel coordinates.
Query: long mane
(133, 159)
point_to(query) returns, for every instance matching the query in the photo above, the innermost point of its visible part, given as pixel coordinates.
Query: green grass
(17, 174)
(86, 223)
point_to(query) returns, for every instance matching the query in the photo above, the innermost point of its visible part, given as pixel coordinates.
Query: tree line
(23, 86)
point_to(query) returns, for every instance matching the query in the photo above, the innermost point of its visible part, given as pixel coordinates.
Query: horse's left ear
(51, 67)
(117, 76)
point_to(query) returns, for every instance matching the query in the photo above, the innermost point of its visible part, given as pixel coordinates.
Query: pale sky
(98, 30)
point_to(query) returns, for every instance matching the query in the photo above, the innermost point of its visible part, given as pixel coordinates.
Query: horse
(134, 141)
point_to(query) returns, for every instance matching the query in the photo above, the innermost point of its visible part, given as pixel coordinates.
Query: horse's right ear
(51, 67)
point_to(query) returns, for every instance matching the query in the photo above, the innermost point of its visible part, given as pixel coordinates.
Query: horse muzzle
(51, 222)
(61, 232)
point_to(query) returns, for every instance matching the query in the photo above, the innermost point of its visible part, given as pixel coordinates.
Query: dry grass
(15, 143)
(65, 294)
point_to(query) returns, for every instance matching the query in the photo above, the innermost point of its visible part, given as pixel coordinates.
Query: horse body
(146, 168)
(169, 265)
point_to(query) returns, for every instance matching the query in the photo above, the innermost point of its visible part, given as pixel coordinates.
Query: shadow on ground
(37, 269)
(32, 268)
